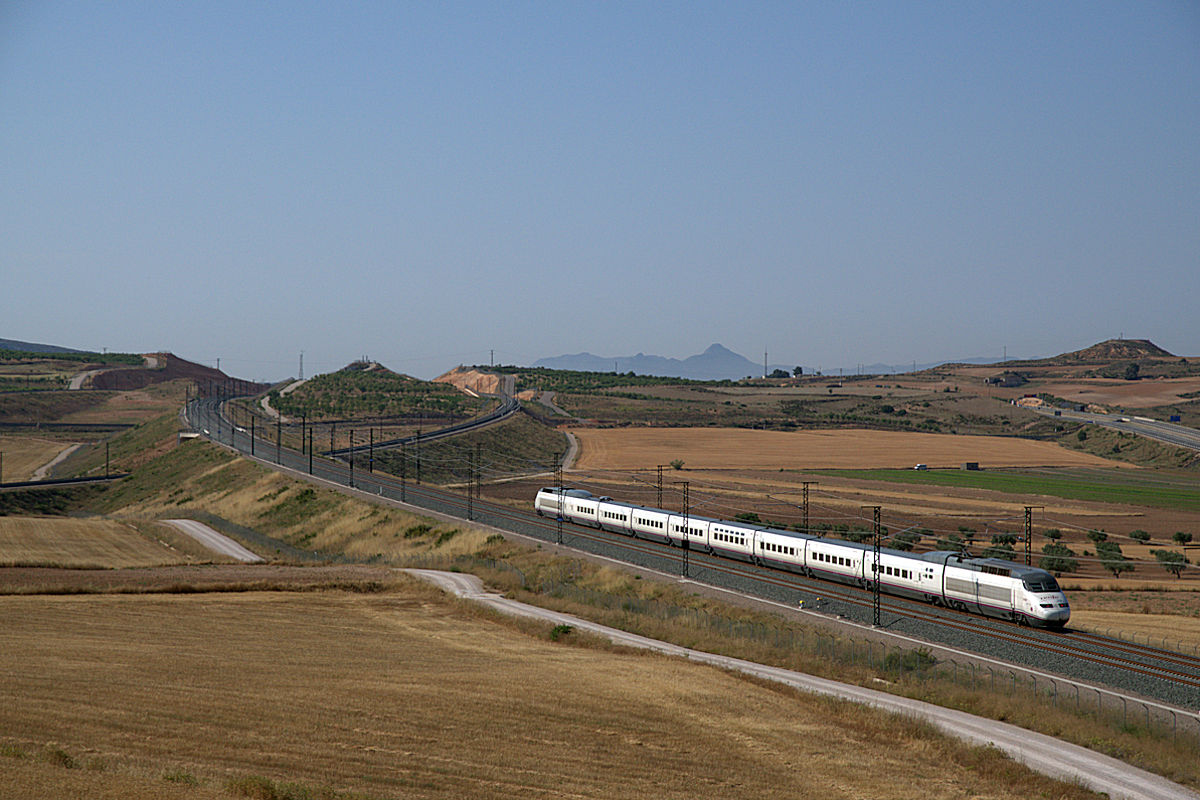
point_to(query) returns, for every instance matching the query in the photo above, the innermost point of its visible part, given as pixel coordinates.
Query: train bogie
(651, 523)
(693, 530)
(780, 549)
(732, 539)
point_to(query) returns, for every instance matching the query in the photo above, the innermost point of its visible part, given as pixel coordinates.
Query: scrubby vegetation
(378, 394)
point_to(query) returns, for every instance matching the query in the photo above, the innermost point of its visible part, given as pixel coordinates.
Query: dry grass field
(24, 454)
(133, 406)
(93, 543)
(725, 448)
(409, 694)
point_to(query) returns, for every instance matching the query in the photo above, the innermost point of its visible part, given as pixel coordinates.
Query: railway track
(1124, 666)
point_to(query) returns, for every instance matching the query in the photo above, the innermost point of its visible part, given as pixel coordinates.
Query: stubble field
(408, 694)
(23, 455)
(93, 543)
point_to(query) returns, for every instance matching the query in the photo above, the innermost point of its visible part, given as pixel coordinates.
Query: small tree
(951, 542)
(1171, 561)
(677, 463)
(1053, 534)
(1181, 538)
(798, 371)
(1131, 372)
(1139, 535)
(999, 550)
(1112, 559)
(1058, 559)
(1097, 536)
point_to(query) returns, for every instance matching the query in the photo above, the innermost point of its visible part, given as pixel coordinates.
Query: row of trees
(1056, 556)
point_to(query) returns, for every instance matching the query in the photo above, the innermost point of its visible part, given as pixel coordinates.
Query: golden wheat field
(407, 694)
(742, 449)
(91, 543)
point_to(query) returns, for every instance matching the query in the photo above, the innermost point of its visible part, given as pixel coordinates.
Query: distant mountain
(30, 347)
(714, 364)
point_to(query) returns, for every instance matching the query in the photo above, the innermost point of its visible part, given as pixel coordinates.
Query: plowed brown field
(725, 448)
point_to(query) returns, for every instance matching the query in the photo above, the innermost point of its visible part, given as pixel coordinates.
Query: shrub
(917, 660)
(58, 757)
(1139, 535)
(559, 631)
(180, 776)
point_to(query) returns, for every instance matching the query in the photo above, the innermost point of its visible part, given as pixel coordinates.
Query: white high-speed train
(990, 586)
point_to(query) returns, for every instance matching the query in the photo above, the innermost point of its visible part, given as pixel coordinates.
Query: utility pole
(805, 521)
(351, 451)
(875, 567)
(418, 456)
(279, 439)
(301, 365)
(371, 458)
(332, 425)
(686, 527)
(660, 466)
(478, 472)
(559, 483)
(470, 485)
(310, 451)
(403, 473)
(107, 472)
(303, 431)
(492, 358)
(1029, 533)
(252, 435)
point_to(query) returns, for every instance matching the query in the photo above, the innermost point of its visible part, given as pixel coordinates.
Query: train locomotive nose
(1056, 616)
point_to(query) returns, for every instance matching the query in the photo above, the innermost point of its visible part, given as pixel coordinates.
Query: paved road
(1043, 754)
(217, 542)
(1166, 432)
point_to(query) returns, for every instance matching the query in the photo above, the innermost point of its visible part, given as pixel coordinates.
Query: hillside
(363, 390)
(32, 347)
(1116, 350)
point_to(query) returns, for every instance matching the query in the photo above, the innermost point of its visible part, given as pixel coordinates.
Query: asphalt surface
(1166, 432)
(217, 542)
(1040, 753)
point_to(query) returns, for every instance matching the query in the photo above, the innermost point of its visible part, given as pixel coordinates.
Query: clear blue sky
(838, 183)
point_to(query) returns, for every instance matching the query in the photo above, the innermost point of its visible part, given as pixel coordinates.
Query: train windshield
(1041, 585)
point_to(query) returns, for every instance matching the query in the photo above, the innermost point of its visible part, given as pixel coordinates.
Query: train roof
(568, 491)
(994, 566)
